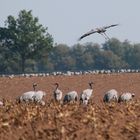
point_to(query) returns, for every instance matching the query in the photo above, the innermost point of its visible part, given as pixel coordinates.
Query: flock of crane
(72, 96)
(85, 96)
(70, 73)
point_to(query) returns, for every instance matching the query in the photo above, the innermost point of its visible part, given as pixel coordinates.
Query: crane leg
(106, 36)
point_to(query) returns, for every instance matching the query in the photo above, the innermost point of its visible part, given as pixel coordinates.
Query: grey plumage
(111, 95)
(86, 94)
(38, 96)
(27, 97)
(71, 96)
(57, 93)
(32, 96)
(126, 97)
(100, 30)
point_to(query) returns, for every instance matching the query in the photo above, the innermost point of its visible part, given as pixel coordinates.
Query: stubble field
(98, 121)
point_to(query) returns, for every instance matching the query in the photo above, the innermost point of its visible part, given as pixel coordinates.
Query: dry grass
(70, 122)
(97, 121)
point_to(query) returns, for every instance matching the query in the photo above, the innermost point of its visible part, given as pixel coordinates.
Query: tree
(3, 60)
(60, 57)
(7, 61)
(77, 52)
(25, 37)
(134, 57)
(115, 46)
(94, 50)
(109, 60)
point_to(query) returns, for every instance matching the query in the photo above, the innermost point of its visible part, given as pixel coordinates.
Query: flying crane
(100, 30)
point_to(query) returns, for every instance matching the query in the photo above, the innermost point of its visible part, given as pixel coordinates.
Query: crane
(100, 30)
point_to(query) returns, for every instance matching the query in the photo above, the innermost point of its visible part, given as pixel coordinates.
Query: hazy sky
(67, 20)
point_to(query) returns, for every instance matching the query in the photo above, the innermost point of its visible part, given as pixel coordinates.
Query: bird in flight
(100, 30)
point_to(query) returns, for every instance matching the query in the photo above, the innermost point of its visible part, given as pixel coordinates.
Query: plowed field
(97, 121)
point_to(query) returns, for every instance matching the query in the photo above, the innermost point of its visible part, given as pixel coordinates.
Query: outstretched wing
(87, 34)
(105, 27)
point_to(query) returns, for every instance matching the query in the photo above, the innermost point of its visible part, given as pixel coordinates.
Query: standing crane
(86, 94)
(57, 93)
(100, 30)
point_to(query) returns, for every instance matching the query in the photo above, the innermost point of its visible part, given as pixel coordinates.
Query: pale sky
(67, 20)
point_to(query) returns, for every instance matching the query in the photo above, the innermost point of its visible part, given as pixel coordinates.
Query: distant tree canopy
(26, 46)
(113, 54)
(87, 57)
(22, 39)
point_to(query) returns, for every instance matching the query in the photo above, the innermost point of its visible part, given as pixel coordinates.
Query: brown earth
(125, 82)
(97, 121)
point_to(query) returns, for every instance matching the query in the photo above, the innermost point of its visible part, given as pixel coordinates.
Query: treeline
(113, 54)
(26, 46)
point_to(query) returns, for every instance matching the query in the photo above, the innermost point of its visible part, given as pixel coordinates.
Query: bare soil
(96, 121)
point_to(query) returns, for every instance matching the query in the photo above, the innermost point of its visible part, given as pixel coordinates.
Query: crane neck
(91, 85)
(34, 87)
(57, 85)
